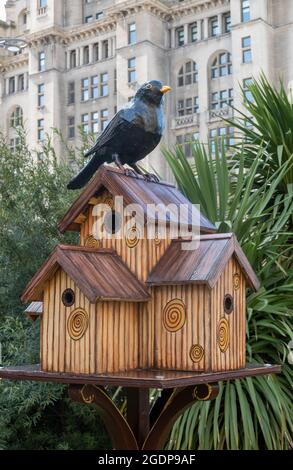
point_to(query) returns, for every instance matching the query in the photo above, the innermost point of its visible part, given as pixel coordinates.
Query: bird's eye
(148, 86)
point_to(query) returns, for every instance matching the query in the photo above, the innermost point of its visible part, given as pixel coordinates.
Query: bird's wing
(117, 123)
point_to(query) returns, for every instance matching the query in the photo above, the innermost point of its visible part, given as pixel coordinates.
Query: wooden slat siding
(62, 325)
(44, 341)
(234, 357)
(50, 331)
(56, 321)
(140, 259)
(172, 349)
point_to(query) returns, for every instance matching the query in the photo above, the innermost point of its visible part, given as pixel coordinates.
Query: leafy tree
(33, 197)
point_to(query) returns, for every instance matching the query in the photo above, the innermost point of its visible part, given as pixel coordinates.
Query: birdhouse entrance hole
(68, 297)
(228, 303)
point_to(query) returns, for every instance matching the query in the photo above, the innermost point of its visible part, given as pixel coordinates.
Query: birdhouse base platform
(144, 427)
(148, 378)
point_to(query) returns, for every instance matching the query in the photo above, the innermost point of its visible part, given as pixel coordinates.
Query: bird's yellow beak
(165, 89)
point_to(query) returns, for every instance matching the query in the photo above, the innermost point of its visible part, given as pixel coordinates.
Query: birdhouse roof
(203, 265)
(99, 274)
(135, 190)
(35, 307)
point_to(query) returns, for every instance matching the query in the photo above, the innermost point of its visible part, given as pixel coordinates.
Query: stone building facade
(85, 58)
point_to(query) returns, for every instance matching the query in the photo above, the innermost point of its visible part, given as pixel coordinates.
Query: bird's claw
(151, 178)
(129, 172)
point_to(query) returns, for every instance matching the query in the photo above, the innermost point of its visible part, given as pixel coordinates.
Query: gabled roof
(203, 265)
(34, 310)
(99, 274)
(135, 190)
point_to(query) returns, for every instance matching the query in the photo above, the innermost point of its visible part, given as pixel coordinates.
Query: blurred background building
(85, 58)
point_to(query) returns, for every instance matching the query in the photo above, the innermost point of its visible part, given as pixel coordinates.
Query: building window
(245, 11)
(247, 93)
(105, 49)
(71, 92)
(104, 119)
(24, 19)
(186, 141)
(227, 23)
(42, 7)
(41, 61)
(131, 33)
(84, 89)
(85, 123)
(88, 19)
(11, 85)
(193, 32)
(104, 88)
(131, 70)
(72, 59)
(71, 127)
(218, 133)
(188, 106)
(96, 52)
(20, 84)
(188, 74)
(222, 99)
(246, 50)
(99, 15)
(14, 144)
(214, 26)
(95, 122)
(95, 86)
(86, 55)
(41, 130)
(41, 95)
(16, 118)
(180, 36)
(221, 65)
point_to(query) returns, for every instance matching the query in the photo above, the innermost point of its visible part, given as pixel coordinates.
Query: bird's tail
(85, 174)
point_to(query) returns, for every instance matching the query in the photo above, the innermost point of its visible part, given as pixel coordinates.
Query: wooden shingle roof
(203, 265)
(99, 274)
(134, 190)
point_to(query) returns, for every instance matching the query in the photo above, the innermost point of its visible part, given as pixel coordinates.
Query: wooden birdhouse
(115, 304)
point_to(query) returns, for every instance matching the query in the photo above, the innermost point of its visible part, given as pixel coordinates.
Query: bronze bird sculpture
(132, 134)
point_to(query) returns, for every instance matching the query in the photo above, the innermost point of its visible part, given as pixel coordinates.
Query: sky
(2, 10)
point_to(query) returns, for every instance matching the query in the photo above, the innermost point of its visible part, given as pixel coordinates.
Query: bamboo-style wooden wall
(234, 356)
(141, 258)
(172, 349)
(110, 342)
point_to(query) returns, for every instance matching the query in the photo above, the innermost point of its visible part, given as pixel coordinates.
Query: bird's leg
(116, 160)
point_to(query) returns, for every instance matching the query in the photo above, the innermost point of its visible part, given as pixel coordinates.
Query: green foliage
(268, 124)
(33, 197)
(256, 412)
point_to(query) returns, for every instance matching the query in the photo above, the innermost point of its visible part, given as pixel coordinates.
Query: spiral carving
(132, 237)
(174, 315)
(77, 323)
(223, 334)
(236, 281)
(157, 239)
(92, 242)
(196, 353)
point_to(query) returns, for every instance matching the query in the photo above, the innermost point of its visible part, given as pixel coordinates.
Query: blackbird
(131, 135)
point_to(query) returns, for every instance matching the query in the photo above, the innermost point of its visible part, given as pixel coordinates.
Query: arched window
(188, 74)
(221, 65)
(16, 117)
